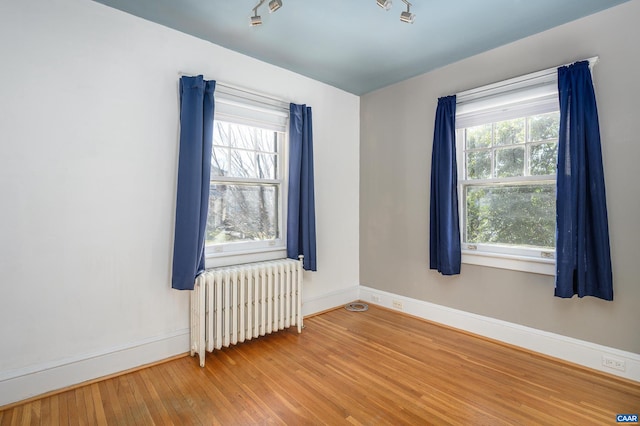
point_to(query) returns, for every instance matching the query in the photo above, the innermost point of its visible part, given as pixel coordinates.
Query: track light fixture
(274, 5)
(256, 19)
(385, 4)
(407, 16)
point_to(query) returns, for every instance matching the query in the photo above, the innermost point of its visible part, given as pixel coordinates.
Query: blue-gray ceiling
(356, 45)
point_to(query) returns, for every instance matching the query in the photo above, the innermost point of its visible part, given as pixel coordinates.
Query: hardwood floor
(374, 367)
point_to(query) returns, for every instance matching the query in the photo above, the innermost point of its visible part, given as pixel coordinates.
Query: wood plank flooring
(362, 368)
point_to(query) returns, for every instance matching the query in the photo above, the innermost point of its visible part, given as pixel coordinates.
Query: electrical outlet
(397, 304)
(616, 364)
(375, 298)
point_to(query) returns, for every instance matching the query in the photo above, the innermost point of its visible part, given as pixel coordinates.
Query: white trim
(17, 385)
(513, 262)
(327, 301)
(242, 257)
(576, 351)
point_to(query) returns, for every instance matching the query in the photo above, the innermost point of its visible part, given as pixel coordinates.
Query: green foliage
(479, 136)
(522, 215)
(543, 159)
(510, 132)
(544, 127)
(510, 162)
(479, 164)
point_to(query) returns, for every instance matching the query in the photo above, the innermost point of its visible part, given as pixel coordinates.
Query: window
(248, 188)
(507, 140)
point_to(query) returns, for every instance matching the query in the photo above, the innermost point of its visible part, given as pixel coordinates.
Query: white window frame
(527, 95)
(245, 107)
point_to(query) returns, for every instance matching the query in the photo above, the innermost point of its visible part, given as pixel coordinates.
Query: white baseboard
(329, 300)
(576, 351)
(24, 383)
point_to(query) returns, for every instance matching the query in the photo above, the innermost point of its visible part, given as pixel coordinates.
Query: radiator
(232, 304)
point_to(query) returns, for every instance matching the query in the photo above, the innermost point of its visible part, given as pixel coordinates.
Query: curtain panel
(444, 232)
(301, 217)
(192, 200)
(583, 259)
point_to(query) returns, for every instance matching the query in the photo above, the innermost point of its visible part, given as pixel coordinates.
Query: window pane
(543, 158)
(220, 162)
(266, 166)
(223, 133)
(479, 165)
(510, 162)
(240, 136)
(243, 164)
(241, 212)
(510, 132)
(479, 136)
(522, 215)
(245, 137)
(248, 164)
(268, 141)
(543, 127)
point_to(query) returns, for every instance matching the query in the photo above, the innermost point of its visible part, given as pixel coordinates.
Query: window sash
(492, 182)
(278, 183)
(519, 257)
(248, 113)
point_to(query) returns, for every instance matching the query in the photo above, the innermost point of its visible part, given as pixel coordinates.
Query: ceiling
(354, 44)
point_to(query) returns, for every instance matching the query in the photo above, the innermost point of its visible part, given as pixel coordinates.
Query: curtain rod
(251, 95)
(549, 72)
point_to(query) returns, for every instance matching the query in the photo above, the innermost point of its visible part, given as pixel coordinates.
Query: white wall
(395, 158)
(88, 155)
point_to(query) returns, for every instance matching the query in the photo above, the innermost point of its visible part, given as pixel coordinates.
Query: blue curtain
(444, 236)
(196, 132)
(301, 217)
(583, 260)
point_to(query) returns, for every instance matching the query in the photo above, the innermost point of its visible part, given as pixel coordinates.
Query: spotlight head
(407, 17)
(256, 20)
(385, 4)
(274, 5)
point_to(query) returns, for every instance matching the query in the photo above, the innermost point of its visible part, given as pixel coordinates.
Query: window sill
(215, 260)
(512, 262)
